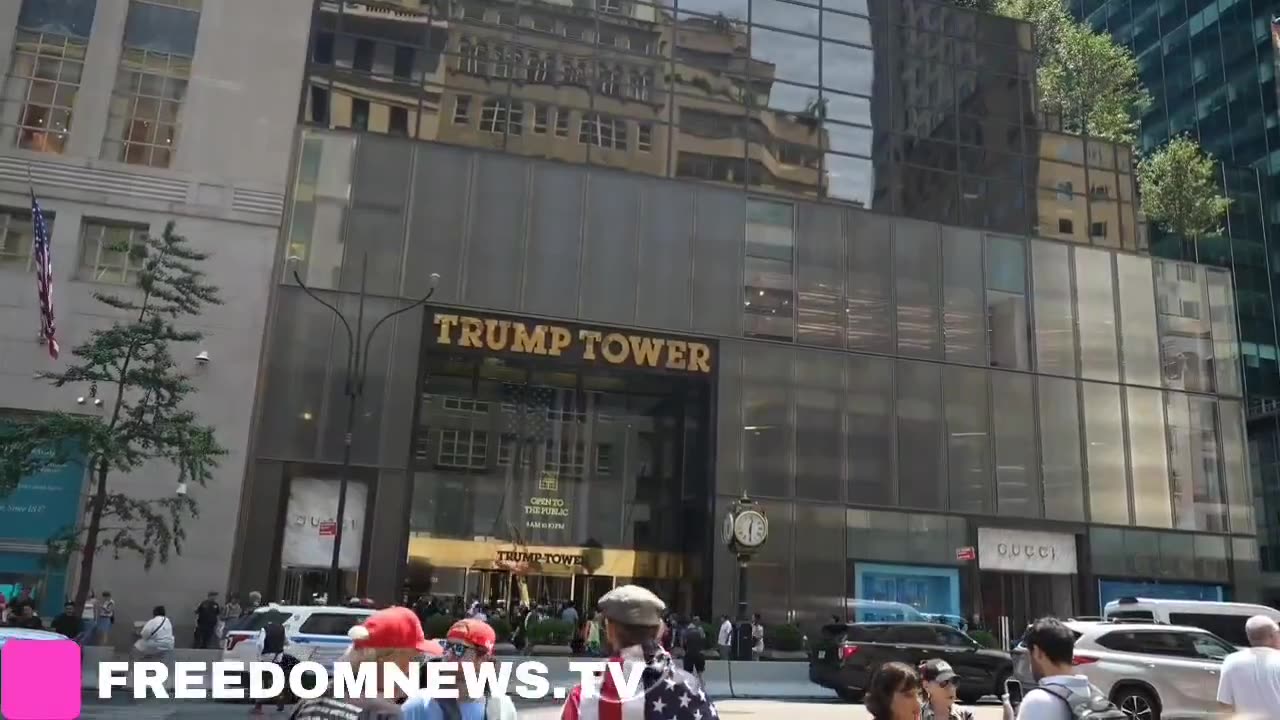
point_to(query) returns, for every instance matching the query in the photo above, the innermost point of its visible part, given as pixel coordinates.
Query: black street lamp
(353, 388)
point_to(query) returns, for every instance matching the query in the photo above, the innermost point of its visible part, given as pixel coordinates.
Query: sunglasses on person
(458, 649)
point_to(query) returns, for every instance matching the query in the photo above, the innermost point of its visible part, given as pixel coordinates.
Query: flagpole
(353, 387)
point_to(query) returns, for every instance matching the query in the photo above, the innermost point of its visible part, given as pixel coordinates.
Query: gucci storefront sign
(311, 524)
(1027, 551)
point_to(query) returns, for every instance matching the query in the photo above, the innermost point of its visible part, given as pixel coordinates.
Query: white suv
(1149, 670)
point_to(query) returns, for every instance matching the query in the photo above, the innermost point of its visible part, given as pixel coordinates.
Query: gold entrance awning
(543, 559)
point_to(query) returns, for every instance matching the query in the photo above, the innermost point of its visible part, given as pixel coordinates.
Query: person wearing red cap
(394, 636)
(469, 641)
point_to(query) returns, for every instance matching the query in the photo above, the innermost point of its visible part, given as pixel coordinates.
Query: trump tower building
(829, 255)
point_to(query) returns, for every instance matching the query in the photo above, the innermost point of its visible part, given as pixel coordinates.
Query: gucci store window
(541, 478)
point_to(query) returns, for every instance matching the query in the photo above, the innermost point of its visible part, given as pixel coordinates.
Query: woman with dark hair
(894, 693)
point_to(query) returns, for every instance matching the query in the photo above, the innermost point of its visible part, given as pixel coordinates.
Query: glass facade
(922, 368)
(1210, 68)
(910, 107)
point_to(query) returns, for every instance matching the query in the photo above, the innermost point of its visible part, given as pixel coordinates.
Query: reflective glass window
(1183, 318)
(870, 292)
(921, 454)
(1054, 316)
(1148, 458)
(820, 276)
(1199, 498)
(1017, 476)
(1007, 321)
(1222, 313)
(1060, 450)
(917, 271)
(1096, 315)
(1104, 435)
(968, 439)
(871, 424)
(1139, 342)
(1234, 466)
(768, 433)
(769, 282)
(819, 426)
(963, 310)
(793, 58)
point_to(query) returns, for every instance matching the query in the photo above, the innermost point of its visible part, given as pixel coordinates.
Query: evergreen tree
(143, 422)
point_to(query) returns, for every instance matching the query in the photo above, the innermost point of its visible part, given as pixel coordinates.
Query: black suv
(846, 656)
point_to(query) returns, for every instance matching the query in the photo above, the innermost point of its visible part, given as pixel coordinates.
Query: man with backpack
(1060, 693)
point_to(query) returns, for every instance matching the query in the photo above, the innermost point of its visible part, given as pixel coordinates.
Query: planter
(788, 655)
(558, 650)
(505, 648)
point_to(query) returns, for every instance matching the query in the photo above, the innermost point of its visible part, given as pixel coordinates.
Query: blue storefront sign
(1109, 590)
(42, 506)
(927, 589)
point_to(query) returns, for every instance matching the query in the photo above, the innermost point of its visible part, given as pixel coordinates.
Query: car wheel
(1137, 704)
(852, 696)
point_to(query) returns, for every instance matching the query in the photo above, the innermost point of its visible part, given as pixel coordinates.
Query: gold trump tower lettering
(614, 348)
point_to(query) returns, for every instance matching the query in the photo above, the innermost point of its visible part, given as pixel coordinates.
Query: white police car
(314, 633)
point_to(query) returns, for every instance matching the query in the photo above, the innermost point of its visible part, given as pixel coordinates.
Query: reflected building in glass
(1210, 68)
(826, 255)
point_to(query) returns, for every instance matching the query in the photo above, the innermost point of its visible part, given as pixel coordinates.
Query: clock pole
(746, 529)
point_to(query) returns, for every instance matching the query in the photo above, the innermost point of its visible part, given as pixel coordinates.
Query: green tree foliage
(1083, 77)
(1178, 184)
(143, 424)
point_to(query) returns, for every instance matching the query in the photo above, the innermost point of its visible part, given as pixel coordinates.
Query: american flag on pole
(44, 276)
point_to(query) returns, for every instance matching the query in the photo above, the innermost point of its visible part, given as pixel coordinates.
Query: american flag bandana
(44, 276)
(665, 694)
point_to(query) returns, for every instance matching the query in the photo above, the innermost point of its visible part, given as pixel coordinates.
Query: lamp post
(353, 388)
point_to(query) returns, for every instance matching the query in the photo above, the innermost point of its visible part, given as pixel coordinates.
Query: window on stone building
(112, 252)
(44, 75)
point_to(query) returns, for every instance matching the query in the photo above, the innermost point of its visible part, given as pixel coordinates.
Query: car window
(1208, 647)
(954, 638)
(912, 635)
(1120, 642)
(330, 624)
(259, 620)
(1131, 615)
(1227, 627)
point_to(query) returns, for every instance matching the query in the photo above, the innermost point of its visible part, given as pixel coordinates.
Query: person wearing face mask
(939, 682)
(468, 641)
(394, 636)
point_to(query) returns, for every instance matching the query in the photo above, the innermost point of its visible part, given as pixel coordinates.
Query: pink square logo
(40, 680)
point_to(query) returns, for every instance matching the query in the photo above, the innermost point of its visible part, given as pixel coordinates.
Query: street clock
(746, 528)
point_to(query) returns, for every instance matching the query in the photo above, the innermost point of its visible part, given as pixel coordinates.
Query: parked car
(1224, 619)
(1149, 670)
(313, 633)
(846, 661)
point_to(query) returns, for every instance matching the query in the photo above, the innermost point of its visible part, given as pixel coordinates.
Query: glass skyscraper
(1210, 68)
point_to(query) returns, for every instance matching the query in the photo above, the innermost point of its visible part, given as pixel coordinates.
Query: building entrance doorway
(1012, 601)
(509, 589)
(310, 586)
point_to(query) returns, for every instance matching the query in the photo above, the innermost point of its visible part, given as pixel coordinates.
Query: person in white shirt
(725, 637)
(1250, 682)
(1051, 647)
(155, 640)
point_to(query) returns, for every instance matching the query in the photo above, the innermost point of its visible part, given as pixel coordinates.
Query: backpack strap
(1063, 697)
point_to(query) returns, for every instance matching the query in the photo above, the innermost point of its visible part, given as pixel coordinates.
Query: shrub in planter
(713, 635)
(502, 629)
(437, 626)
(783, 638)
(985, 639)
(551, 632)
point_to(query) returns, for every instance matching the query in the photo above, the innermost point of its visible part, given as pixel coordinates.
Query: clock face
(726, 532)
(751, 529)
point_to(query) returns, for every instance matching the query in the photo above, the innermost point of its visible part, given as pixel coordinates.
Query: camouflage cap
(632, 605)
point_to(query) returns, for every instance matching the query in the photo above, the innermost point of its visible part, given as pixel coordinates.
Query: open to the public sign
(328, 529)
(966, 554)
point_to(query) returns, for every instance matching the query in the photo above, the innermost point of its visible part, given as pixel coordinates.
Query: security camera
(293, 259)
(97, 402)
(80, 400)
(181, 489)
(435, 280)
(203, 357)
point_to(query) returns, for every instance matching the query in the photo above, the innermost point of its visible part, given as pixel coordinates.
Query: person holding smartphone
(939, 682)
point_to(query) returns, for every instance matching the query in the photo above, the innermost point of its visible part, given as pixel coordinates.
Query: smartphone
(1013, 689)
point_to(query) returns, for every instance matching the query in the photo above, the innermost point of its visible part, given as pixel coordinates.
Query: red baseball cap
(395, 628)
(476, 633)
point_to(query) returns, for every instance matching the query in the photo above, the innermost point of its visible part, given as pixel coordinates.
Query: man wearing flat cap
(632, 625)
